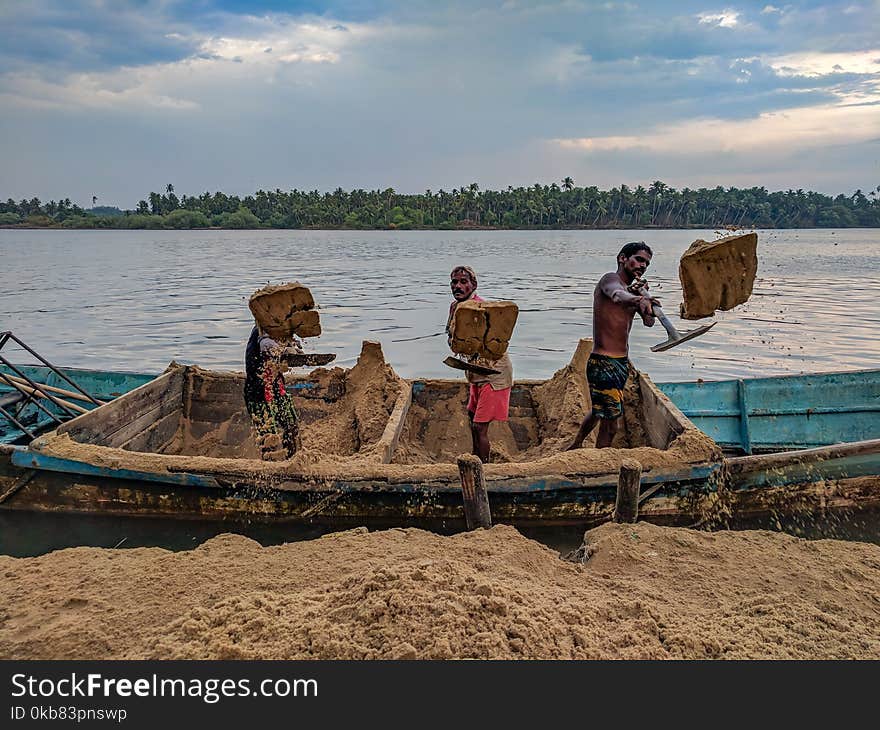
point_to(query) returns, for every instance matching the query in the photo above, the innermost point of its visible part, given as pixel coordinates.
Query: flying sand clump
(285, 310)
(717, 274)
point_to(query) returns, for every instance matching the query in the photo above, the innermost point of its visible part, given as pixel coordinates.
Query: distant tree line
(538, 206)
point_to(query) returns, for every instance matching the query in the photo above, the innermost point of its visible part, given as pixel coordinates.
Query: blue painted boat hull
(783, 413)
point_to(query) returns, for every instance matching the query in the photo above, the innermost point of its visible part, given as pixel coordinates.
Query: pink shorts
(487, 404)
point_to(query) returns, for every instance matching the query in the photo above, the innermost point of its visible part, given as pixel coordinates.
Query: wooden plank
(215, 412)
(35, 460)
(101, 423)
(155, 436)
(141, 423)
(662, 421)
(626, 506)
(473, 492)
(764, 462)
(801, 467)
(396, 421)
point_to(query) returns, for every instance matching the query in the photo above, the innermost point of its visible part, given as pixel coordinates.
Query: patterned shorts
(607, 376)
(277, 427)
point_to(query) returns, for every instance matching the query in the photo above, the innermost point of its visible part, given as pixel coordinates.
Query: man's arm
(613, 288)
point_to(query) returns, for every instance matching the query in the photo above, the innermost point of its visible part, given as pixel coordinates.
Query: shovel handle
(667, 325)
(658, 312)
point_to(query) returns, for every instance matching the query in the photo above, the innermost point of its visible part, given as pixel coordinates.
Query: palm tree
(567, 183)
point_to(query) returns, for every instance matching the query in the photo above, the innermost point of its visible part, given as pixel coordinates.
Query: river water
(135, 300)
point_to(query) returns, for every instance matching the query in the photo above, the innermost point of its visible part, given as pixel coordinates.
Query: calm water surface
(135, 300)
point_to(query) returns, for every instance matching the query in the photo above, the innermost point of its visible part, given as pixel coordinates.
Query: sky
(115, 99)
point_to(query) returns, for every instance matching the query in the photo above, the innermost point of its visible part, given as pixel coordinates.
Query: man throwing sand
(614, 307)
(488, 395)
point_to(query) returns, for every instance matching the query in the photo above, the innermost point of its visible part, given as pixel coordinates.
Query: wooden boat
(180, 445)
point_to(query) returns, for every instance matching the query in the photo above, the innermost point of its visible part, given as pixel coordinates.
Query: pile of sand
(356, 422)
(645, 592)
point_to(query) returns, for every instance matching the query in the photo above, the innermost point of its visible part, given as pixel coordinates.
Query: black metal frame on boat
(30, 392)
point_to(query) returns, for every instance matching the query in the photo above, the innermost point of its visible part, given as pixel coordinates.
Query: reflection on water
(26, 534)
(135, 300)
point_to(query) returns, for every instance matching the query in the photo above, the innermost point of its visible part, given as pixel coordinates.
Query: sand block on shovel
(483, 328)
(717, 274)
(285, 310)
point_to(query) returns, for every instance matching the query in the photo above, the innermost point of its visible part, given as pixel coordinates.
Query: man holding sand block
(283, 314)
(478, 332)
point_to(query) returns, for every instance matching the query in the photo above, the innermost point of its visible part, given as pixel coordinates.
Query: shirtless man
(488, 395)
(614, 307)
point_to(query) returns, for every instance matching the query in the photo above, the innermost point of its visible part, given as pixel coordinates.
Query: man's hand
(646, 309)
(292, 350)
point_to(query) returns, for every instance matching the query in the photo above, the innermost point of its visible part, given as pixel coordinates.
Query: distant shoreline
(536, 208)
(691, 227)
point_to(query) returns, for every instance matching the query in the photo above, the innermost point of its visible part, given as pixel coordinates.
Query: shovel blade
(454, 362)
(309, 359)
(684, 338)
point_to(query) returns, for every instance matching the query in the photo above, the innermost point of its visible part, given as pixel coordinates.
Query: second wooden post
(626, 509)
(473, 490)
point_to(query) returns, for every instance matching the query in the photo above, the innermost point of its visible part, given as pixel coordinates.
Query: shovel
(308, 359)
(674, 337)
(454, 362)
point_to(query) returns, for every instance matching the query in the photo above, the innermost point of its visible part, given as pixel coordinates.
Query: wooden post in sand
(473, 490)
(626, 509)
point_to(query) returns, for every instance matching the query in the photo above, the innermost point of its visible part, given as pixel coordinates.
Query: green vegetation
(539, 206)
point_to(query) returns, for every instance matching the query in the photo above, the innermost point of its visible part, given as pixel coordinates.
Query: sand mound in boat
(213, 431)
(348, 430)
(645, 592)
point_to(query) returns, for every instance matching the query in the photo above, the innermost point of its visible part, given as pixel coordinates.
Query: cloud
(417, 94)
(85, 35)
(725, 19)
(812, 64)
(215, 62)
(793, 129)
